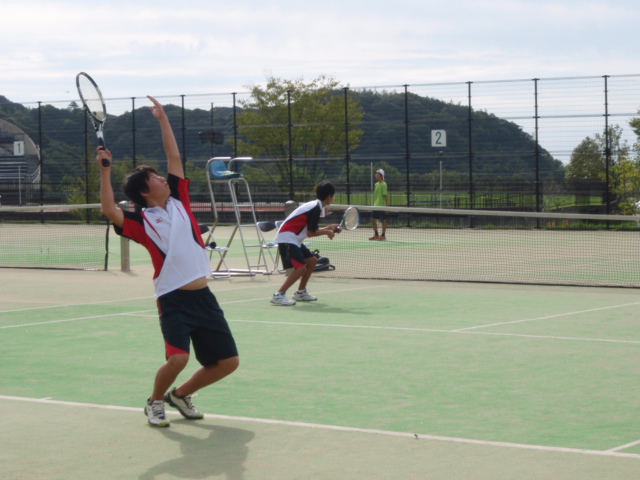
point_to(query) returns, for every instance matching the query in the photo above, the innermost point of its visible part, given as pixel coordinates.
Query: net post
(125, 258)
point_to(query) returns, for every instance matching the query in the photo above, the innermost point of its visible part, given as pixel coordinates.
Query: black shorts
(293, 256)
(379, 215)
(194, 316)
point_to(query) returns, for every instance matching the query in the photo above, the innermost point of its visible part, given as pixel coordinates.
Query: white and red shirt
(296, 226)
(172, 237)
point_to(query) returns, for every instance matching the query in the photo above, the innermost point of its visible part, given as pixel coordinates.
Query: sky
(159, 47)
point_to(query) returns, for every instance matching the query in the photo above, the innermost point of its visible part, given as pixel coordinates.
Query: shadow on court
(222, 452)
(322, 308)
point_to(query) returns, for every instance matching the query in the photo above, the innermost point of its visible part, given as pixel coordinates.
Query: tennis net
(488, 246)
(54, 237)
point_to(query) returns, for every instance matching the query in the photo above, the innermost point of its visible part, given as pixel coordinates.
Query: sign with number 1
(18, 148)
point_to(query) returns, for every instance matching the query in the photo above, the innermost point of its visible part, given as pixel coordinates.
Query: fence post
(133, 129)
(407, 153)
(470, 119)
(184, 136)
(86, 159)
(41, 156)
(290, 127)
(346, 142)
(607, 142)
(211, 155)
(235, 127)
(537, 152)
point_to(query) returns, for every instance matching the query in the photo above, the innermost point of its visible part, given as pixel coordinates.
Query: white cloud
(197, 46)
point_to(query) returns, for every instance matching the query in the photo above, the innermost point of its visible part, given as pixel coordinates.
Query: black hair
(136, 183)
(325, 189)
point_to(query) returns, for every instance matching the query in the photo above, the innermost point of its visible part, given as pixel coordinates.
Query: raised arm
(107, 199)
(174, 165)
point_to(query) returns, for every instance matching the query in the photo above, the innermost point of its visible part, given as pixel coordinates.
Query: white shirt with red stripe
(296, 226)
(172, 237)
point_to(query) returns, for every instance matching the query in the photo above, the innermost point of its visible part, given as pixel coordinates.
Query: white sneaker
(183, 404)
(155, 413)
(304, 297)
(281, 300)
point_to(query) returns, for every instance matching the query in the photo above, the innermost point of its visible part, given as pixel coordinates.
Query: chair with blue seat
(247, 228)
(218, 171)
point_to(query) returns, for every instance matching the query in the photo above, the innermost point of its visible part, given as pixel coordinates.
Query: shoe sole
(174, 405)
(303, 300)
(283, 304)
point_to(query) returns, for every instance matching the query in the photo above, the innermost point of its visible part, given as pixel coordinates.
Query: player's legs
(294, 260)
(311, 263)
(292, 278)
(175, 331)
(375, 216)
(167, 374)
(208, 375)
(213, 346)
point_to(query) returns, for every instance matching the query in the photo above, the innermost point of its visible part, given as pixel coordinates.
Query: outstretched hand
(157, 109)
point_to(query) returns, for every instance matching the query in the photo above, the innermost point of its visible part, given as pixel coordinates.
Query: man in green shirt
(380, 199)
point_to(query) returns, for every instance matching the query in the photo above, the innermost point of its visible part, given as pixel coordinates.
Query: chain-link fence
(502, 144)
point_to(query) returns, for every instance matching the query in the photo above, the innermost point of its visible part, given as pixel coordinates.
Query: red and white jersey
(172, 237)
(296, 226)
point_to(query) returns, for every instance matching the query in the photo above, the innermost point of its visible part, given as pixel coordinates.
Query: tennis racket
(350, 219)
(94, 105)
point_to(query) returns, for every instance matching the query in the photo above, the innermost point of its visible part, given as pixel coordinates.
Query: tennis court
(378, 379)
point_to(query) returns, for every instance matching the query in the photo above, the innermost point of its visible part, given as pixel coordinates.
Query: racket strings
(351, 219)
(92, 99)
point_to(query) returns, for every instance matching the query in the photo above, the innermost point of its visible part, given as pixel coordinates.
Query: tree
(588, 159)
(634, 123)
(318, 134)
(588, 162)
(627, 185)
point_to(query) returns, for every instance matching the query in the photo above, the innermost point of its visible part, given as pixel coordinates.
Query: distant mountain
(500, 147)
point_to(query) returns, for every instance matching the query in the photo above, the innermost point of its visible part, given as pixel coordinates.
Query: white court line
(141, 313)
(433, 330)
(138, 312)
(624, 447)
(152, 296)
(74, 305)
(64, 320)
(416, 436)
(115, 301)
(548, 317)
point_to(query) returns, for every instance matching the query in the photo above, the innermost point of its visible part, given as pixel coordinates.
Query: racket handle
(337, 229)
(105, 162)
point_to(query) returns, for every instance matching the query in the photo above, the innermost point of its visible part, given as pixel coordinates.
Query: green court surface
(376, 380)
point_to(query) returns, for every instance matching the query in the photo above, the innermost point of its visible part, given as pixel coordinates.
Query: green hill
(500, 147)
